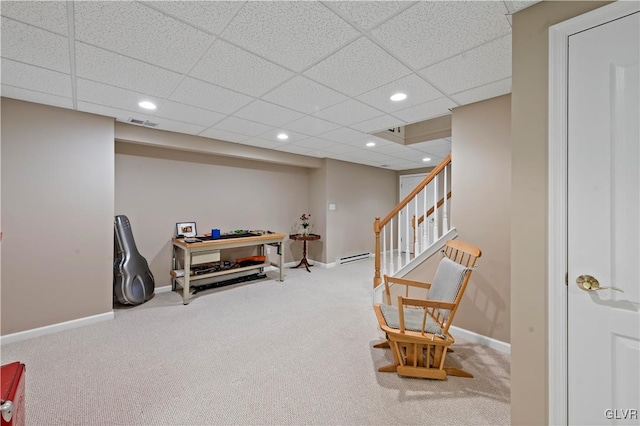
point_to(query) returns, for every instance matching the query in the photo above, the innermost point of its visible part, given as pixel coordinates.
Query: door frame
(557, 323)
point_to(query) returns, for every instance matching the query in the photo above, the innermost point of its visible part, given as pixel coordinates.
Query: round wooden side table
(304, 239)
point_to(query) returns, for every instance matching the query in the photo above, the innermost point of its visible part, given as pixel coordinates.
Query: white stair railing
(427, 216)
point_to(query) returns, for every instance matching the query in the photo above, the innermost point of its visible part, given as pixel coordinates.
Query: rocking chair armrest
(426, 303)
(404, 281)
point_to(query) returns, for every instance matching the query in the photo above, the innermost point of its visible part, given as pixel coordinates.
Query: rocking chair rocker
(417, 330)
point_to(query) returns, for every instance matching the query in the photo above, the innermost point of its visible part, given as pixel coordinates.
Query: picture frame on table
(186, 229)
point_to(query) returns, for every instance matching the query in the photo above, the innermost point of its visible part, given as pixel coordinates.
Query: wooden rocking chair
(417, 329)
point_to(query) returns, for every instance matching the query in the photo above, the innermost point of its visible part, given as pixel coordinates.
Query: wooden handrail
(378, 224)
(417, 189)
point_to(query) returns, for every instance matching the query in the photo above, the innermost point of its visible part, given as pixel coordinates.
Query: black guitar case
(133, 282)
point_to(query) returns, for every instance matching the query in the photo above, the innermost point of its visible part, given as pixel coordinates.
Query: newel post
(376, 229)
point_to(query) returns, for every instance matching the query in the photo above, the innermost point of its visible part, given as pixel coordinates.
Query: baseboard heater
(354, 258)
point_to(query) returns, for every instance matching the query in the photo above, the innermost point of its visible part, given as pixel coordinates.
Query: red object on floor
(12, 394)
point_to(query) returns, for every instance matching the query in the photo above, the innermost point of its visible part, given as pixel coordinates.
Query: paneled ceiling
(245, 72)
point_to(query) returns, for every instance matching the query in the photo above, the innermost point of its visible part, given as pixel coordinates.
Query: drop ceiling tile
(241, 126)
(239, 70)
(390, 149)
(223, 135)
(37, 97)
(439, 147)
(367, 14)
(379, 123)
(357, 68)
(188, 114)
(208, 96)
(267, 113)
(408, 154)
(426, 111)
(348, 112)
(417, 90)
(210, 16)
(32, 45)
(48, 15)
(371, 155)
(343, 135)
(364, 139)
(489, 62)
(117, 113)
(488, 91)
(291, 33)
(273, 133)
(417, 158)
(35, 78)
(398, 164)
(114, 97)
(436, 152)
(137, 31)
(340, 149)
(435, 160)
(459, 26)
(311, 126)
(111, 68)
(304, 95)
(315, 143)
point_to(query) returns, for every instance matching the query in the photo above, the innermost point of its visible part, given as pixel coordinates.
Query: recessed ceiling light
(283, 136)
(426, 159)
(371, 144)
(147, 105)
(398, 97)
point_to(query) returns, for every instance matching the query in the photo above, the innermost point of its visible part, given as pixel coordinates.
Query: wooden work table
(209, 251)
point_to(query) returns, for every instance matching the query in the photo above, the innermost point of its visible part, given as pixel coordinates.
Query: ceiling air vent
(136, 121)
(142, 122)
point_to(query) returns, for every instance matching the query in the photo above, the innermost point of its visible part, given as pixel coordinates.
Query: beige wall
(157, 187)
(481, 208)
(360, 193)
(57, 215)
(529, 111)
(318, 209)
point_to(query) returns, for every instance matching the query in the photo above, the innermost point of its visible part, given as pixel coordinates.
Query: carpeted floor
(296, 352)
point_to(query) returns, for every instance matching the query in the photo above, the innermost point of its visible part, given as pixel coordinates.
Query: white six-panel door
(603, 222)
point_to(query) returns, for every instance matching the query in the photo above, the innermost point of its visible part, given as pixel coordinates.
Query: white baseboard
(54, 328)
(163, 289)
(480, 339)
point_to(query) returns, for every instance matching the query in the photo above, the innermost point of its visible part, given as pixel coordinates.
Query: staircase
(416, 228)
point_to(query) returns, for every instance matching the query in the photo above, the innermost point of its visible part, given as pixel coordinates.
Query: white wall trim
(54, 328)
(163, 289)
(557, 190)
(483, 340)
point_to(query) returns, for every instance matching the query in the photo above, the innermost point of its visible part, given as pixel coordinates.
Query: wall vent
(354, 258)
(138, 122)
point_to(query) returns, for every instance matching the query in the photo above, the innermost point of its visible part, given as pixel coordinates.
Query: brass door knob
(589, 283)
